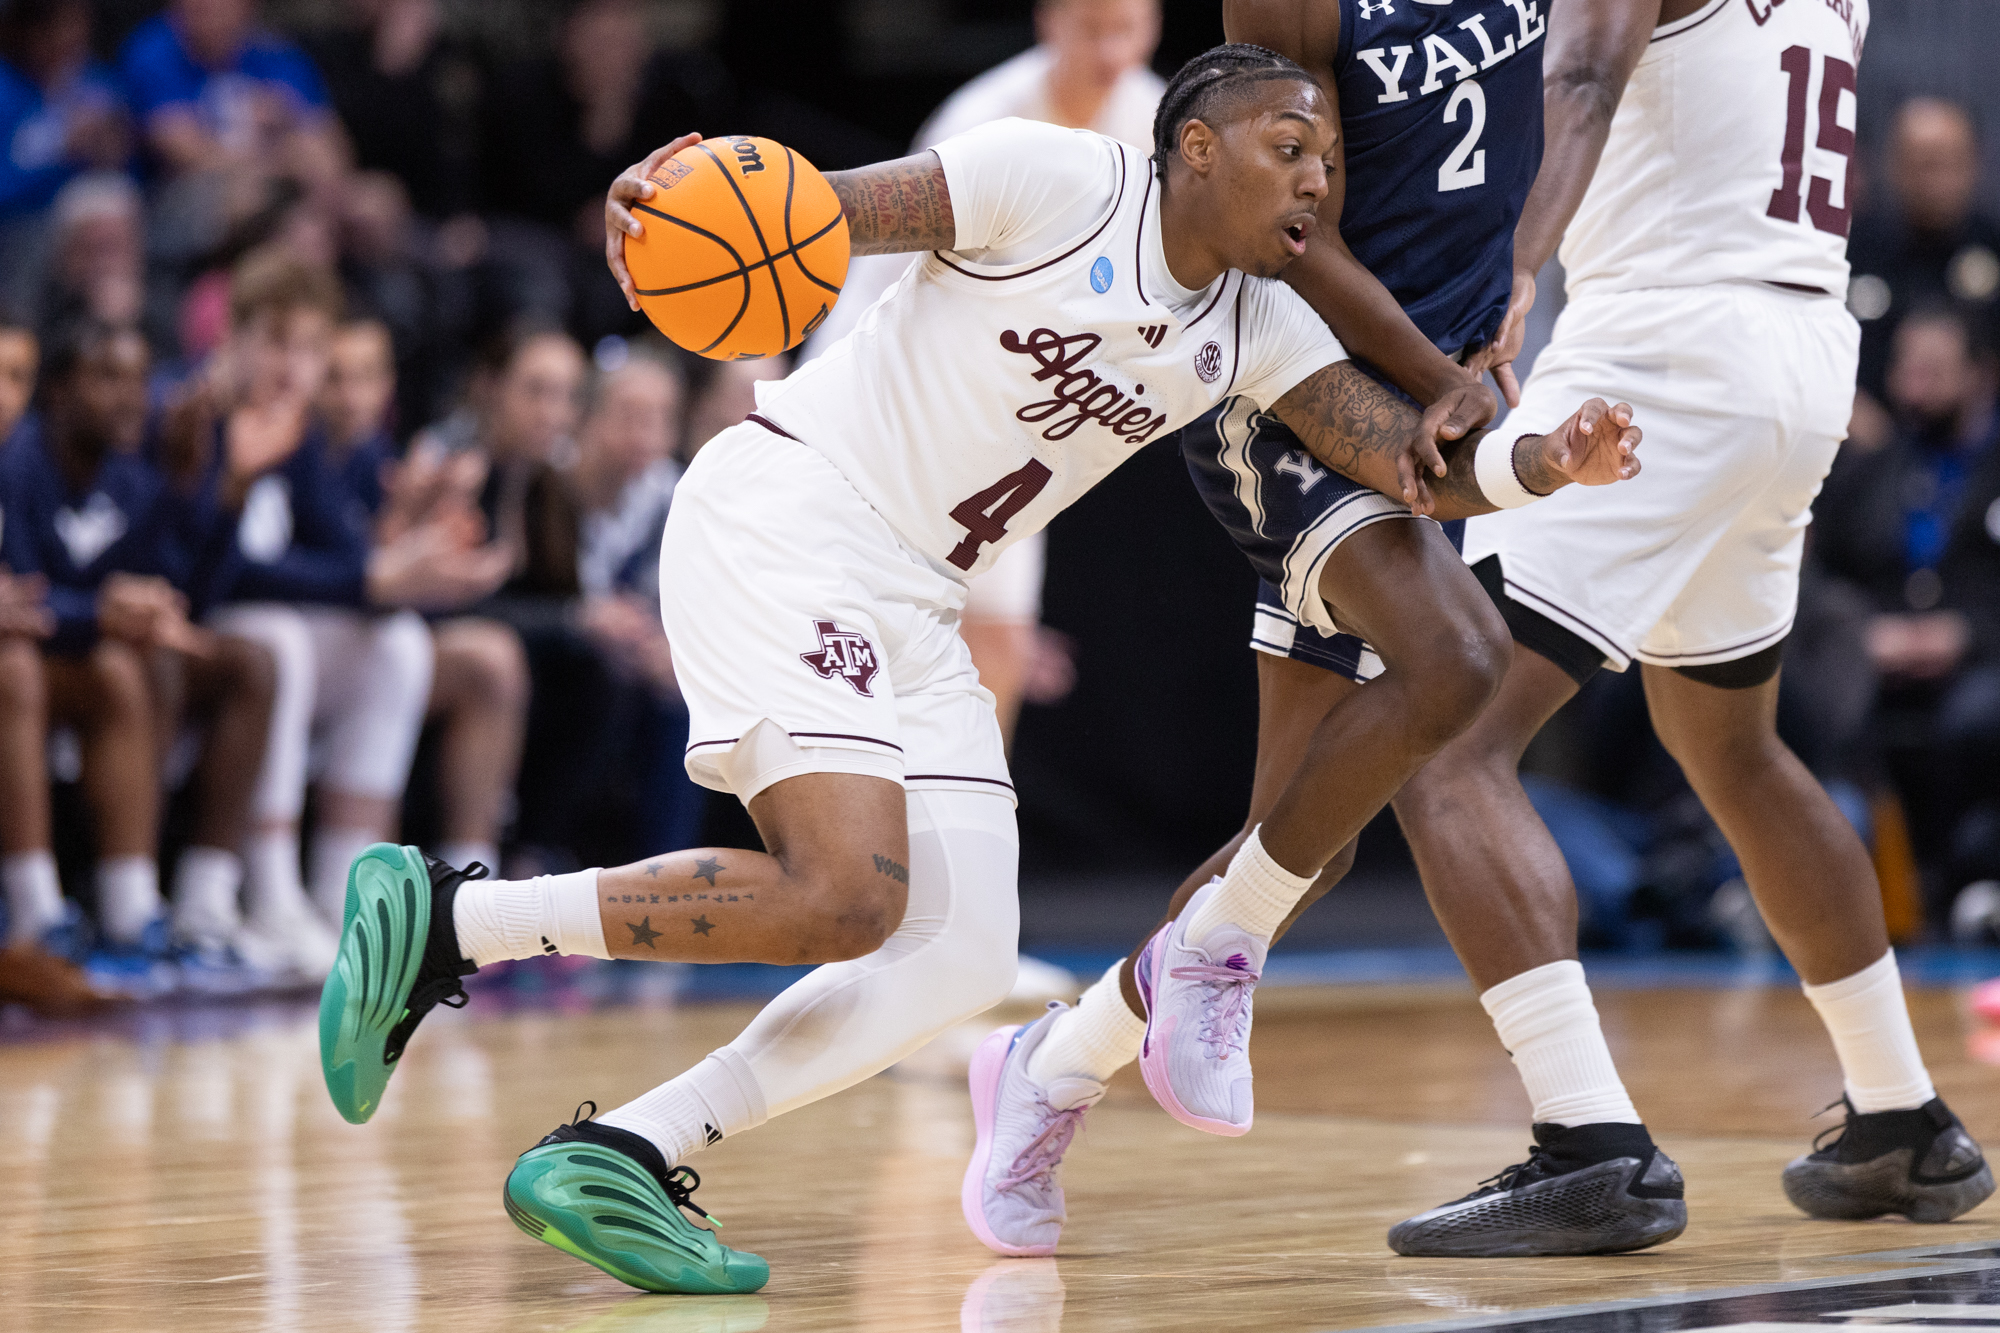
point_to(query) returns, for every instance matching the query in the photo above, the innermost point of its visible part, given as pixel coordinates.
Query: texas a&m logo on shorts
(843, 655)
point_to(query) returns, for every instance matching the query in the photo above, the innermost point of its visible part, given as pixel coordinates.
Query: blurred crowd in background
(333, 466)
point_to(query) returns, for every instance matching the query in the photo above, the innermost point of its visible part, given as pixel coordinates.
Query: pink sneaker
(1012, 1195)
(1986, 1000)
(1196, 1055)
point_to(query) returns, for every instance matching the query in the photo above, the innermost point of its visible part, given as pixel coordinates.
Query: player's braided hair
(1198, 85)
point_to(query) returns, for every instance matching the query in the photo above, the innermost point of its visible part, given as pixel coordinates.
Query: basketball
(744, 252)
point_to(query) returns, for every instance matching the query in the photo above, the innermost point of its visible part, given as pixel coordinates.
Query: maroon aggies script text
(1080, 392)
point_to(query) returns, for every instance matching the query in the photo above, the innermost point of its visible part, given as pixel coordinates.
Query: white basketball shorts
(1743, 392)
(787, 598)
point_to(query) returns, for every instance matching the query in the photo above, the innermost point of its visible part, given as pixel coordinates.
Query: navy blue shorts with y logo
(1287, 512)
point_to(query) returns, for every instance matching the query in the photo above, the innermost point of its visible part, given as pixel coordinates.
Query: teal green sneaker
(606, 1196)
(398, 960)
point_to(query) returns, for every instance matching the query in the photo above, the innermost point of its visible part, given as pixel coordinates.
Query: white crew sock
(333, 851)
(463, 854)
(128, 896)
(1094, 1040)
(1256, 894)
(717, 1098)
(1547, 1022)
(206, 883)
(34, 895)
(525, 918)
(273, 891)
(1870, 1026)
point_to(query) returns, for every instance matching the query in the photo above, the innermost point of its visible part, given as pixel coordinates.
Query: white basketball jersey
(1728, 156)
(979, 399)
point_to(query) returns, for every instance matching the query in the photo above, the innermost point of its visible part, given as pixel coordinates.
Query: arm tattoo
(896, 207)
(1533, 467)
(1355, 425)
(895, 870)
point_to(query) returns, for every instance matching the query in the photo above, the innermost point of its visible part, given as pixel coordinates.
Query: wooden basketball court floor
(180, 1172)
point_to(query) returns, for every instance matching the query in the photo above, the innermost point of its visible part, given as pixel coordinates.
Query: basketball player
(1694, 573)
(1080, 299)
(1440, 124)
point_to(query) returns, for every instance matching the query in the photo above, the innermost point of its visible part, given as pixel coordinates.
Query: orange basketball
(745, 248)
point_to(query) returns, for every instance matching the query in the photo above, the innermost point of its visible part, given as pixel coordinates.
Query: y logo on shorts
(844, 655)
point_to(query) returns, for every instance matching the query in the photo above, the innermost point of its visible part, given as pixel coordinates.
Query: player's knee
(1459, 675)
(495, 664)
(120, 686)
(23, 692)
(404, 658)
(855, 917)
(252, 670)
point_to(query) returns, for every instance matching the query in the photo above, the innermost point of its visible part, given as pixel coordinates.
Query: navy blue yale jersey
(1441, 118)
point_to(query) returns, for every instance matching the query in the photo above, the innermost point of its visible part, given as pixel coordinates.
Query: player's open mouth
(1296, 233)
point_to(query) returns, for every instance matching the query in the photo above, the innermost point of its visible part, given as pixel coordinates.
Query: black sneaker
(398, 960)
(1590, 1189)
(1919, 1163)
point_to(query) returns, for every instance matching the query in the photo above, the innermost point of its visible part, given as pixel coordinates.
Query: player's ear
(1199, 145)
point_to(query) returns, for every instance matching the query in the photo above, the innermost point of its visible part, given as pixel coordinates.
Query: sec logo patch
(1208, 362)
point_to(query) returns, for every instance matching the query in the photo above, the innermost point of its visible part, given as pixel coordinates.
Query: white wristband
(1493, 469)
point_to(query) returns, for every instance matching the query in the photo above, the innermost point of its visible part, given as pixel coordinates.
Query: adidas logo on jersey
(1154, 334)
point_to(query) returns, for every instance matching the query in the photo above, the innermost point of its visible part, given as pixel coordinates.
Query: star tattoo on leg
(643, 933)
(702, 925)
(707, 867)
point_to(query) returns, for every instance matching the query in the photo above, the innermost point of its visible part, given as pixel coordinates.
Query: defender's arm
(891, 207)
(1352, 301)
(1358, 428)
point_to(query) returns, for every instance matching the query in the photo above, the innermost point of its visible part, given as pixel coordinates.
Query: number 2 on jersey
(985, 514)
(1456, 173)
(1834, 137)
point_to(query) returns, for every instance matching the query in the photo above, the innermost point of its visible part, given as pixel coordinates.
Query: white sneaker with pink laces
(1196, 1056)
(1012, 1195)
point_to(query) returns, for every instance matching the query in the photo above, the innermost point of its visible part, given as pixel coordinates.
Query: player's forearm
(1351, 423)
(896, 207)
(1591, 54)
(1368, 322)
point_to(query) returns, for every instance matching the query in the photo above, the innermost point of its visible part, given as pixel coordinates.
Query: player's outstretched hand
(1596, 446)
(631, 187)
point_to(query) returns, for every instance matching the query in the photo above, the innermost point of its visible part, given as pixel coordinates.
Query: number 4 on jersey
(985, 515)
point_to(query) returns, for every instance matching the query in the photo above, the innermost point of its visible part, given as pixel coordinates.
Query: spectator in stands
(96, 265)
(1914, 528)
(125, 547)
(20, 359)
(355, 680)
(60, 113)
(389, 68)
(604, 97)
(1929, 244)
(624, 481)
(425, 306)
(35, 967)
(214, 89)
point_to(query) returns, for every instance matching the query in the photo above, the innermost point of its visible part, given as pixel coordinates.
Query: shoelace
(680, 1182)
(1228, 999)
(1507, 1177)
(1045, 1151)
(445, 983)
(1837, 1131)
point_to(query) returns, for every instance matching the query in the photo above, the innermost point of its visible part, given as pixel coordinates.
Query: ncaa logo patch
(1208, 362)
(843, 655)
(1101, 275)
